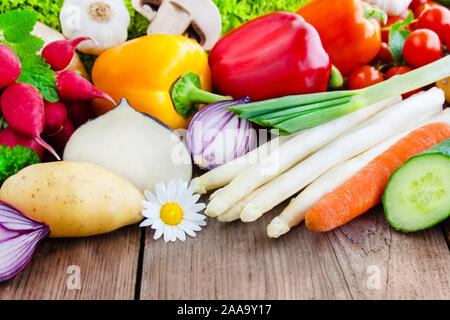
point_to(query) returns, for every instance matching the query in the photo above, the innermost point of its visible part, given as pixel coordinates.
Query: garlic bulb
(391, 7)
(105, 21)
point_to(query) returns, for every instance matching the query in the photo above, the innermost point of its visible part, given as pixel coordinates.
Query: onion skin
(216, 136)
(19, 237)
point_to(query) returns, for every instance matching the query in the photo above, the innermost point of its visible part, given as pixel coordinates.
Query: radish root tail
(48, 147)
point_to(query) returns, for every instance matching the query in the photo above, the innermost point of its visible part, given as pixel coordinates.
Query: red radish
(73, 87)
(59, 54)
(23, 109)
(55, 114)
(79, 112)
(12, 138)
(60, 139)
(10, 67)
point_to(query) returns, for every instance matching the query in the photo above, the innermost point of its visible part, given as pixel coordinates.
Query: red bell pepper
(274, 55)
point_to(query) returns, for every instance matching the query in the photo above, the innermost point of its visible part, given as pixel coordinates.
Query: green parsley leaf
(16, 27)
(397, 37)
(37, 72)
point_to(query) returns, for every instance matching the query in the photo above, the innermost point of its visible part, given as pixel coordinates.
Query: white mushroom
(199, 20)
(147, 8)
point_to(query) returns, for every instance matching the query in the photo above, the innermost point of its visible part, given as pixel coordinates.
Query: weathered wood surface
(237, 261)
(107, 264)
(365, 259)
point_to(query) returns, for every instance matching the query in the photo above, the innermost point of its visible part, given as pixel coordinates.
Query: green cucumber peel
(417, 195)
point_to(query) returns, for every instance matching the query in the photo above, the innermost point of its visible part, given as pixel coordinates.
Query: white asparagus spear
(382, 126)
(234, 213)
(221, 176)
(295, 212)
(287, 155)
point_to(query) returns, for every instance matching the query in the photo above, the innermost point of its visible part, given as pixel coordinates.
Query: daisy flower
(173, 211)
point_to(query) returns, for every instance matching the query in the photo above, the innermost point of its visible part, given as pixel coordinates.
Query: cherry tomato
(384, 54)
(436, 18)
(423, 6)
(415, 3)
(422, 47)
(363, 77)
(390, 21)
(396, 71)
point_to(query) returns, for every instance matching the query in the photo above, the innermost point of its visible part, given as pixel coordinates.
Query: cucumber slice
(418, 194)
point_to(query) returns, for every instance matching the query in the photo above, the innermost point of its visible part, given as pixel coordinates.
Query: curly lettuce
(234, 13)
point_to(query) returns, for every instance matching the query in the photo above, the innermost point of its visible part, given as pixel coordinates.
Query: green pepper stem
(376, 13)
(204, 97)
(336, 79)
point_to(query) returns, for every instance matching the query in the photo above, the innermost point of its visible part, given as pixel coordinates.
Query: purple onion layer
(19, 237)
(216, 136)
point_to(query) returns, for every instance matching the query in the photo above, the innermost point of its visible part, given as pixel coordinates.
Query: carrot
(365, 189)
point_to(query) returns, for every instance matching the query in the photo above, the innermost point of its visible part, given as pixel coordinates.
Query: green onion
(295, 113)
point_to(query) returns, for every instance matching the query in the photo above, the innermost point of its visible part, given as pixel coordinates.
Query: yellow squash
(143, 71)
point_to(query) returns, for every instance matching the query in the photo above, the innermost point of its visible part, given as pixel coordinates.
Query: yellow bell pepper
(144, 70)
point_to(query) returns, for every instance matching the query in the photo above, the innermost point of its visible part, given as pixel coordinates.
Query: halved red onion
(216, 136)
(19, 237)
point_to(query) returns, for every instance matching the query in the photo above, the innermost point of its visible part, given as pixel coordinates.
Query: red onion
(19, 237)
(216, 136)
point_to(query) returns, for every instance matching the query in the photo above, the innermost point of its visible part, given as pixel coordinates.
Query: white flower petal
(179, 233)
(158, 224)
(151, 214)
(145, 204)
(161, 192)
(158, 234)
(150, 196)
(186, 228)
(167, 236)
(169, 230)
(181, 191)
(197, 207)
(171, 193)
(192, 225)
(190, 190)
(146, 223)
(190, 201)
(201, 223)
(194, 217)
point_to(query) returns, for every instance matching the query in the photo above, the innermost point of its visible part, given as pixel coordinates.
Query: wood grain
(411, 266)
(238, 261)
(446, 228)
(108, 266)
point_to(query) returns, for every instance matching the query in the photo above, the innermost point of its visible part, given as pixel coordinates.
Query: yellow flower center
(171, 214)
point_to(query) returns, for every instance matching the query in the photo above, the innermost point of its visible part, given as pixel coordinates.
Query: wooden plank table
(365, 259)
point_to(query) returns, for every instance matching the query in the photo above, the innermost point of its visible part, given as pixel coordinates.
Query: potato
(75, 199)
